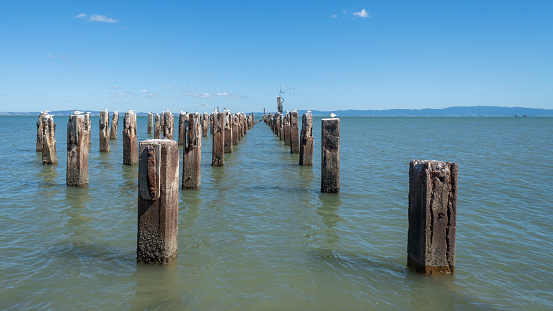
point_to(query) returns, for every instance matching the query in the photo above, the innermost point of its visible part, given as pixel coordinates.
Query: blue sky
(329, 55)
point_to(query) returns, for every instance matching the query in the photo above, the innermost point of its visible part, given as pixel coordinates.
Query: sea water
(259, 235)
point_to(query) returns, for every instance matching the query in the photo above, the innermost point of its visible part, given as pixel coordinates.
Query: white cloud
(201, 95)
(143, 91)
(363, 13)
(334, 16)
(50, 56)
(82, 15)
(116, 87)
(121, 94)
(225, 94)
(167, 87)
(102, 18)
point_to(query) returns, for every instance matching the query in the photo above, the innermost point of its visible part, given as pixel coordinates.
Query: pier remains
(114, 125)
(49, 154)
(77, 151)
(104, 132)
(130, 141)
(307, 140)
(218, 147)
(192, 153)
(330, 155)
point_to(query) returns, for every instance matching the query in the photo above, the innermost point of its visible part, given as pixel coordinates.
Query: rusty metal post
(150, 123)
(218, 150)
(49, 153)
(104, 132)
(158, 195)
(114, 125)
(307, 140)
(432, 216)
(330, 155)
(192, 153)
(77, 151)
(183, 117)
(130, 141)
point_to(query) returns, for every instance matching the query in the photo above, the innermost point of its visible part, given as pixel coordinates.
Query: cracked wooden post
(39, 131)
(294, 133)
(306, 143)
(330, 155)
(183, 117)
(242, 124)
(158, 196)
(157, 127)
(150, 123)
(286, 129)
(130, 147)
(218, 148)
(77, 151)
(192, 153)
(432, 216)
(49, 154)
(282, 123)
(114, 125)
(235, 129)
(168, 124)
(228, 133)
(161, 124)
(89, 127)
(211, 123)
(104, 131)
(205, 124)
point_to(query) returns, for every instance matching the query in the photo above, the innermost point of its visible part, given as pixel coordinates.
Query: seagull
(88, 112)
(106, 109)
(308, 111)
(332, 115)
(77, 112)
(46, 111)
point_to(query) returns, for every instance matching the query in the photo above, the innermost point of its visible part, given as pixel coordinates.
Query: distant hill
(460, 111)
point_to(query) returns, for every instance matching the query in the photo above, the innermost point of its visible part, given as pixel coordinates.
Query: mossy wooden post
(158, 196)
(294, 133)
(39, 131)
(77, 151)
(150, 123)
(192, 153)
(330, 155)
(205, 124)
(130, 141)
(114, 125)
(183, 117)
(432, 216)
(306, 143)
(104, 131)
(228, 133)
(168, 124)
(157, 127)
(49, 154)
(235, 129)
(218, 147)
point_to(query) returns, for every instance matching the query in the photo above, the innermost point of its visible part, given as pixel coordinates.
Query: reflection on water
(158, 287)
(329, 213)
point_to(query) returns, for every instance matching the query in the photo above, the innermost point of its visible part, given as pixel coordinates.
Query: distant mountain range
(460, 111)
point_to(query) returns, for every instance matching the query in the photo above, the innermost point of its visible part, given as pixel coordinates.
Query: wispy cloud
(167, 87)
(334, 16)
(200, 95)
(102, 18)
(144, 91)
(121, 94)
(82, 15)
(363, 14)
(116, 87)
(225, 94)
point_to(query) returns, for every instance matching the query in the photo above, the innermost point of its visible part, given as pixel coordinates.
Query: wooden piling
(205, 124)
(330, 155)
(306, 143)
(77, 151)
(150, 123)
(192, 153)
(228, 133)
(294, 133)
(39, 131)
(218, 147)
(104, 132)
(157, 127)
(114, 125)
(432, 216)
(130, 141)
(286, 129)
(183, 117)
(168, 124)
(49, 153)
(158, 195)
(211, 124)
(235, 129)
(89, 127)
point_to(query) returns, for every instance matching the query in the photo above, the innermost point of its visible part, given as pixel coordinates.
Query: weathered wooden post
(228, 132)
(89, 126)
(130, 147)
(294, 132)
(432, 216)
(192, 153)
(104, 131)
(150, 123)
(162, 124)
(307, 140)
(330, 155)
(205, 124)
(286, 129)
(211, 123)
(168, 124)
(281, 124)
(158, 195)
(218, 149)
(40, 131)
(235, 129)
(242, 124)
(77, 151)
(183, 117)
(114, 125)
(49, 154)
(157, 127)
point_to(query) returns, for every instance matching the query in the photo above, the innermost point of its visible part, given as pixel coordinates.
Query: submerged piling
(104, 132)
(330, 155)
(49, 154)
(218, 149)
(130, 142)
(432, 216)
(192, 153)
(114, 125)
(77, 151)
(150, 122)
(307, 140)
(158, 195)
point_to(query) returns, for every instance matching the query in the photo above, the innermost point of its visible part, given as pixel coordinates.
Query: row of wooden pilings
(432, 190)
(158, 164)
